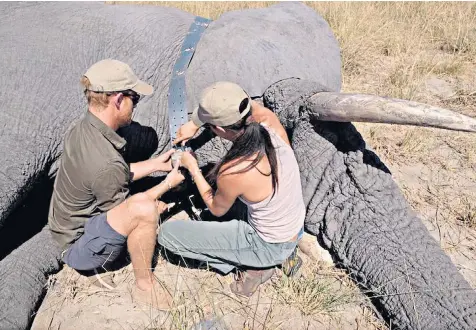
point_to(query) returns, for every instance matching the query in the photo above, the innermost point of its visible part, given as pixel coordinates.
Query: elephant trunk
(329, 106)
(23, 277)
(360, 215)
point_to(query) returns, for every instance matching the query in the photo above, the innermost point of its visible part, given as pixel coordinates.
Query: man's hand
(163, 162)
(186, 132)
(173, 179)
(146, 167)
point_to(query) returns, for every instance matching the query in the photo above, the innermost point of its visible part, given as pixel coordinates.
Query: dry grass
(315, 295)
(400, 44)
(467, 213)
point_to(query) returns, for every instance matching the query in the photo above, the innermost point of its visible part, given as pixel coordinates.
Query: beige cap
(220, 104)
(113, 76)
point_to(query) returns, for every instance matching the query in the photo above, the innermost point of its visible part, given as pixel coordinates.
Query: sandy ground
(319, 297)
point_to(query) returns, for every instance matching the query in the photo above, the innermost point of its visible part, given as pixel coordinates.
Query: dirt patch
(319, 297)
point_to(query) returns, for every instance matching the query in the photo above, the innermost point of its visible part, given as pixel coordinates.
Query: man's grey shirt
(92, 178)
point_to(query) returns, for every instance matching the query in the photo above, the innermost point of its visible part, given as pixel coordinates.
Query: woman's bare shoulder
(237, 165)
(267, 117)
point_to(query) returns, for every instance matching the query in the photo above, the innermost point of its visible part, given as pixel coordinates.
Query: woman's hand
(186, 132)
(188, 161)
(174, 178)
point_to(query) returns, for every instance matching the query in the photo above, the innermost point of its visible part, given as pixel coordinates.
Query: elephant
(286, 57)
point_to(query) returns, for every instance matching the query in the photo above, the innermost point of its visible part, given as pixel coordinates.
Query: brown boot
(158, 297)
(247, 282)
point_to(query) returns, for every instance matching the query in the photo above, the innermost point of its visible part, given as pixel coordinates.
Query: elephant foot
(311, 248)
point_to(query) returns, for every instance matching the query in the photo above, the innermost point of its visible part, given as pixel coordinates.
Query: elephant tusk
(341, 107)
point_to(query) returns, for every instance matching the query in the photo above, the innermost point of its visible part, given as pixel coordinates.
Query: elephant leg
(142, 142)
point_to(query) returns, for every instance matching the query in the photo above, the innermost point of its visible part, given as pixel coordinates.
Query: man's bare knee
(134, 211)
(143, 207)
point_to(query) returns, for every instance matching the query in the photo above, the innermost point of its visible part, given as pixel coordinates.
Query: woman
(260, 169)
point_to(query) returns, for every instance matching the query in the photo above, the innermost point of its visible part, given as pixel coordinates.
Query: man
(91, 214)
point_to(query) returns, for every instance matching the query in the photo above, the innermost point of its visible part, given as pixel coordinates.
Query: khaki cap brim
(143, 88)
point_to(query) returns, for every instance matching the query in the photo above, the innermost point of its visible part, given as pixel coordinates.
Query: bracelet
(168, 184)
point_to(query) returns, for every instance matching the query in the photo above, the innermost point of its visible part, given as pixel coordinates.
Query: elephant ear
(258, 47)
